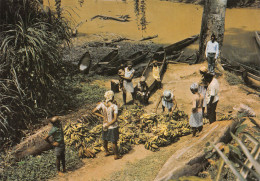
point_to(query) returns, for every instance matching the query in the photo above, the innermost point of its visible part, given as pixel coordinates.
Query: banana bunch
(151, 144)
(135, 127)
(88, 153)
(225, 117)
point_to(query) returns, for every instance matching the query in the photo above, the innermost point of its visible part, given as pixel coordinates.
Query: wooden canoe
(253, 80)
(179, 45)
(85, 63)
(148, 73)
(109, 57)
(257, 37)
(135, 58)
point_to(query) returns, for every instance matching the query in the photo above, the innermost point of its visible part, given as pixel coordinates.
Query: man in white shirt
(212, 97)
(212, 51)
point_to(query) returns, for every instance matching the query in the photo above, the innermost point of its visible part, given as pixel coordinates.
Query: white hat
(167, 95)
(194, 86)
(109, 95)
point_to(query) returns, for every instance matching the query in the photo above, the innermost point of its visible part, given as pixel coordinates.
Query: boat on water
(257, 37)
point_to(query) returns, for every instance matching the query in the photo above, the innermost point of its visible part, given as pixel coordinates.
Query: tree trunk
(213, 21)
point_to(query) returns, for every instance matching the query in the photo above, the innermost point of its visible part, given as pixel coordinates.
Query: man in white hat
(110, 130)
(168, 102)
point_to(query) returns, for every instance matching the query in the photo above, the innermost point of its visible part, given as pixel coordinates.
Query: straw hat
(203, 69)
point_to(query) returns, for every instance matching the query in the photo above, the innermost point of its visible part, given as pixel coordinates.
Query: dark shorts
(59, 150)
(111, 135)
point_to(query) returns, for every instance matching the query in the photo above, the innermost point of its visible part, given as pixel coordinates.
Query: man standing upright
(212, 97)
(212, 51)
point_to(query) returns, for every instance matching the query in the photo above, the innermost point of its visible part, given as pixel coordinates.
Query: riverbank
(141, 164)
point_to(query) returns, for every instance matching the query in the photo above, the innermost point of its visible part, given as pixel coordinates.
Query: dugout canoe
(257, 37)
(179, 45)
(135, 58)
(252, 80)
(250, 75)
(148, 73)
(111, 56)
(85, 63)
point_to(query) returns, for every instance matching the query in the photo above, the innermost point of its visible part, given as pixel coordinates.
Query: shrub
(39, 167)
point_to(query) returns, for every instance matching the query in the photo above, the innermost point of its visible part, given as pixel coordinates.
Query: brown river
(170, 21)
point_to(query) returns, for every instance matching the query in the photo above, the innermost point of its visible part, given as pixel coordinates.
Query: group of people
(204, 103)
(205, 96)
(140, 92)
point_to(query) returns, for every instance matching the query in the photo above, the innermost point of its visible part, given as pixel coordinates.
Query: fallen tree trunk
(190, 160)
(148, 38)
(124, 19)
(35, 144)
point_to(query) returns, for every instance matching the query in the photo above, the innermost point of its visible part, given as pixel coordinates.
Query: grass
(40, 167)
(233, 79)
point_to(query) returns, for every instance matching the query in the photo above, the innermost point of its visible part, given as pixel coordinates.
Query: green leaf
(229, 163)
(240, 128)
(236, 150)
(208, 143)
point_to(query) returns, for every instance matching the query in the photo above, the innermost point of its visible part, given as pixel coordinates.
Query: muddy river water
(170, 21)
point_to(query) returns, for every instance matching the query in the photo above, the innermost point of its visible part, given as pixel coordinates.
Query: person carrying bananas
(168, 101)
(196, 118)
(110, 132)
(56, 133)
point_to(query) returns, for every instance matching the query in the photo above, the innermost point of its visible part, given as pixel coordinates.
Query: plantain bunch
(135, 127)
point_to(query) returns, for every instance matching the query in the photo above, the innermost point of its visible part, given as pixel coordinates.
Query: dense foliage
(40, 167)
(30, 60)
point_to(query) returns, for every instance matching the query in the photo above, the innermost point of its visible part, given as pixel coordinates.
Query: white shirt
(212, 90)
(108, 112)
(212, 48)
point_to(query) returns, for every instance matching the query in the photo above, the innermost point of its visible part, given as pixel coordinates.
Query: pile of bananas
(135, 127)
(225, 117)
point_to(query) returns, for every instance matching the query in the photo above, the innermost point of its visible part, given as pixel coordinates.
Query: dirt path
(141, 164)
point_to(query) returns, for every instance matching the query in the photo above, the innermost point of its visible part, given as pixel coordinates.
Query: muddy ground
(142, 164)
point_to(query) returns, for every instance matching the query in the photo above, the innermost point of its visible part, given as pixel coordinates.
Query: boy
(56, 133)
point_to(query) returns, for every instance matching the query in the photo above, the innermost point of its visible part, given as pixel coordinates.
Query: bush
(233, 79)
(40, 167)
(30, 66)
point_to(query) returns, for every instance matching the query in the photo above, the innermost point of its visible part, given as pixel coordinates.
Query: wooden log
(148, 38)
(124, 19)
(35, 144)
